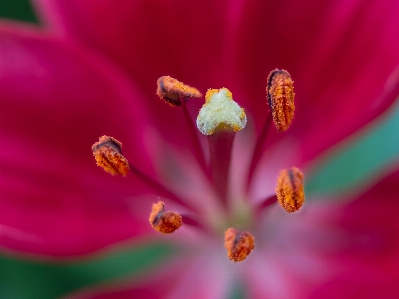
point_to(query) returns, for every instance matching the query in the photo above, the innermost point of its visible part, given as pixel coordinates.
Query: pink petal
(194, 277)
(363, 285)
(331, 250)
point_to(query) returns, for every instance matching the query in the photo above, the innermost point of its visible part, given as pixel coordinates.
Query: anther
(108, 154)
(172, 91)
(280, 97)
(289, 189)
(220, 112)
(238, 245)
(164, 222)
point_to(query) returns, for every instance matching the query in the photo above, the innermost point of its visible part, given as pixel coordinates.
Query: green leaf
(18, 10)
(359, 161)
(32, 279)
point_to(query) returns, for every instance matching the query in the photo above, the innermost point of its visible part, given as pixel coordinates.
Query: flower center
(219, 119)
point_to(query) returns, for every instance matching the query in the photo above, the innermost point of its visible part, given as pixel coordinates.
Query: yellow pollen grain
(290, 189)
(220, 109)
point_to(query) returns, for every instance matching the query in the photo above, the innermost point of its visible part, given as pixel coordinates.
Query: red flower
(91, 71)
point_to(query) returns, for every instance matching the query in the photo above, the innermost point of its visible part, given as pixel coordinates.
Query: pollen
(220, 111)
(289, 189)
(108, 154)
(238, 245)
(171, 90)
(280, 97)
(164, 222)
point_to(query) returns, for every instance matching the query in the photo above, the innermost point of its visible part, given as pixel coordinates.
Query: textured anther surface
(290, 189)
(280, 97)
(238, 245)
(108, 154)
(171, 90)
(164, 222)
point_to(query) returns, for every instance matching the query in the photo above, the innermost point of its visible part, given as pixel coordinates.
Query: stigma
(220, 112)
(280, 97)
(164, 222)
(290, 190)
(108, 154)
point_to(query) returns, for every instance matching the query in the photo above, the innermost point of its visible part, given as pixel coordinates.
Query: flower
(92, 71)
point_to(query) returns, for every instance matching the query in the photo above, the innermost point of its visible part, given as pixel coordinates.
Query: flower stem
(158, 187)
(260, 142)
(220, 148)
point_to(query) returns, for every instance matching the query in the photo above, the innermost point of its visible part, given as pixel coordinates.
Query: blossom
(91, 71)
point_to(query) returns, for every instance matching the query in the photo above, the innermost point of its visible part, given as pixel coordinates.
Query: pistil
(219, 118)
(220, 148)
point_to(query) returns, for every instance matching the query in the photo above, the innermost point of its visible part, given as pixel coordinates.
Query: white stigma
(220, 109)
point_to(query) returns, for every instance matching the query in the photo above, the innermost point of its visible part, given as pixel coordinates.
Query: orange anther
(108, 154)
(238, 245)
(280, 97)
(164, 222)
(171, 90)
(289, 189)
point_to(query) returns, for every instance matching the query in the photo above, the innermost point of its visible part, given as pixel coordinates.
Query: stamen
(258, 150)
(160, 188)
(238, 246)
(219, 118)
(195, 138)
(108, 154)
(172, 91)
(280, 97)
(289, 189)
(175, 93)
(164, 222)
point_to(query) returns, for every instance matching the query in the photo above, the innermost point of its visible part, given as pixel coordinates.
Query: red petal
(56, 100)
(339, 54)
